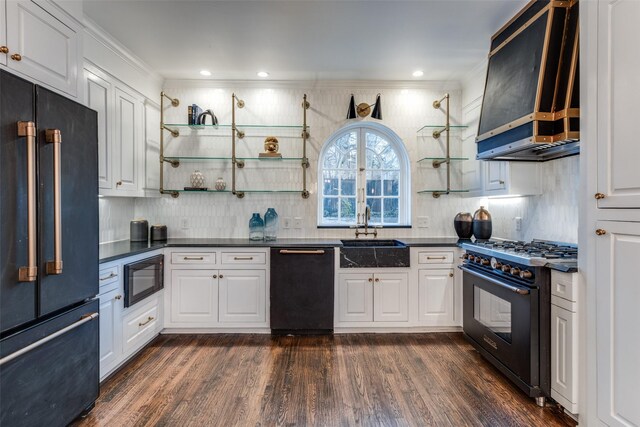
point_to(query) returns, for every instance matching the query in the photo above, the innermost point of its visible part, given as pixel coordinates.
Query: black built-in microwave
(143, 278)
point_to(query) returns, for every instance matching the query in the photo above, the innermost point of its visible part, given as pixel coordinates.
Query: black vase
(482, 226)
(463, 224)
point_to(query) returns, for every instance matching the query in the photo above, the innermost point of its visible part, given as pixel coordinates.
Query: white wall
(405, 108)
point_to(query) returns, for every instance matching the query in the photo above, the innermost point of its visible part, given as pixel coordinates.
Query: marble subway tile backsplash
(115, 215)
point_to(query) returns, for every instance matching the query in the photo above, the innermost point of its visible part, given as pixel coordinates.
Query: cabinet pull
(29, 273)
(118, 297)
(16, 57)
(110, 276)
(301, 252)
(436, 257)
(601, 232)
(242, 258)
(4, 49)
(501, 182)
(54, 136)
(215, 276)
(221, 276)
(118, 184)
(193, 258)
(377, 280)
(149, 319)
(450, 274)
(599, 196)
(370, 279)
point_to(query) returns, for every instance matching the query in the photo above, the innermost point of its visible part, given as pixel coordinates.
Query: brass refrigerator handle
(29, 273)
(54, 136)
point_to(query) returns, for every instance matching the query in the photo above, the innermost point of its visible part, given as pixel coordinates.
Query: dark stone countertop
(124, 248)
(565, 267)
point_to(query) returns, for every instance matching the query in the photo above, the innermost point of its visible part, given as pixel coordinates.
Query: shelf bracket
(305, 194)
(173, 163)
(239, 194)
(174, 132)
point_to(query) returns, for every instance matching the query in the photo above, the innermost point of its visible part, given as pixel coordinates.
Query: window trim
(404, 190)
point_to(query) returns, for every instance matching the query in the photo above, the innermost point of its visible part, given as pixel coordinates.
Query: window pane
(330, 208)
(347, 142)
(349, 160)
(374, 184)
(373, 160)
(390, 183)
(348, 209)
(390, 211)
(330, 183)
(348, 184)
(331, 157)
(376, 213)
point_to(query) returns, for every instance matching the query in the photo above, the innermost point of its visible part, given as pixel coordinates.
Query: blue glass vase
(270, 224)
(256, 227)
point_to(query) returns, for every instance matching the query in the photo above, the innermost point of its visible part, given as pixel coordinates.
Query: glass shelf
(432, 127)
(442, 191)
(238, 126)
(211, 190)
(238, 190)
(456, 159)
(199, 158)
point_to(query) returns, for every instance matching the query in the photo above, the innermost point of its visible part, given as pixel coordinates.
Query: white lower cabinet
(373, 297)
(436, 297)
(140, 324)
(110, 330)
(242, 296)
(194, 297)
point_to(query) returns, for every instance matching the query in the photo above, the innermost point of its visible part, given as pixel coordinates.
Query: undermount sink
(372, 243)
(374, 253)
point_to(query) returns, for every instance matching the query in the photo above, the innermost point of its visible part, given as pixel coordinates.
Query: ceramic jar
(463, 224)
(220, 184)
(482, 226)
(256, 227)
(197, 179)
(270, 224)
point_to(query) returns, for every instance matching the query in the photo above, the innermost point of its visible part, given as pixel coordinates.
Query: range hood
(530, 110)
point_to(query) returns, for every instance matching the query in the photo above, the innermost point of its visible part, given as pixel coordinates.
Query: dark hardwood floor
(345, 380)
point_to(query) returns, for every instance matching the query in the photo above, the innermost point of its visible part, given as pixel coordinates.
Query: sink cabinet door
(356, 297)
(391, 297)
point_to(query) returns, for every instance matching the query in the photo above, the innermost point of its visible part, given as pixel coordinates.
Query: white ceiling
(306, 39)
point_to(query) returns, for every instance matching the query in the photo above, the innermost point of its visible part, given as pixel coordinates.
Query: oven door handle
(518, 290)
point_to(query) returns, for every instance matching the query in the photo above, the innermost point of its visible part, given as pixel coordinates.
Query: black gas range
(507, 307)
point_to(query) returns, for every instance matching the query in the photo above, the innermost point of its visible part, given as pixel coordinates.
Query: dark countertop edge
(124, 248)
(567, 267)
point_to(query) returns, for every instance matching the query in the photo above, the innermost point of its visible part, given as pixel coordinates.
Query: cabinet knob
(4, 49)
(370, 279)
(16, 57)
(118, 184)
(118, 296)
(215, 276)
(599, 196)
(377, 280)
(451, 274)
(501, 182)
(601, 232)
(221, 276)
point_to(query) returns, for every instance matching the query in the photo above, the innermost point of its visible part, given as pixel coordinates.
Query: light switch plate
(286, 223)
(184, 223)
(297, 222)
(424, 221)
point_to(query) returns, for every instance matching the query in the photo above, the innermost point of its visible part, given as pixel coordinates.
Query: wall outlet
(184, 223)
(286, 223)
(423, 222)
(518, 223)
(297, 222)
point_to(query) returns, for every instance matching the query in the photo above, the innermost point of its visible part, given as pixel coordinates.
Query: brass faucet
(367, 217)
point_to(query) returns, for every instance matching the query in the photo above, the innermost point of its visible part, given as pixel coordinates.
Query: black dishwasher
(302, 291)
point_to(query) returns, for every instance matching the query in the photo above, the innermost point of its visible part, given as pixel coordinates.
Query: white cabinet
(242, 296)
(194, 297)
(4, 54)
(373, 297)
(41, 46)
(618, 91)
(436, 297)
(564, 340)
(510, 178)
(121, 130)
(110, 330)
(618, 317)
(140, 324)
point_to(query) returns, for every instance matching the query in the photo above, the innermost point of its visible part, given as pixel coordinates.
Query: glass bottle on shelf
(256, 227)
(270, 224)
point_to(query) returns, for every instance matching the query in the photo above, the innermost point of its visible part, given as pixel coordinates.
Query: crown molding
(312, 84)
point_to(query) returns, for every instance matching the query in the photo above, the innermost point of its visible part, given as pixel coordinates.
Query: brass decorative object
(271, 148)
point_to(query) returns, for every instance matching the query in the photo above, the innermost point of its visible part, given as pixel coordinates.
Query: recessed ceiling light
(418, 73)
(263, 74)
(205, 73)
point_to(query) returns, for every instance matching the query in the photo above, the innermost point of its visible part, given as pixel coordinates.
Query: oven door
(142, 279)
(502, 318)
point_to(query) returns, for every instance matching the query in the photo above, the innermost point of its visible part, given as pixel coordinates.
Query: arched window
(364, 164)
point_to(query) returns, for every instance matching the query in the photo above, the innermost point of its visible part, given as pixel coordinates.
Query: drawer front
(193, 258)
(244, 258)
(435, 257)
(107, 277)
(563, 285)
(139, 327)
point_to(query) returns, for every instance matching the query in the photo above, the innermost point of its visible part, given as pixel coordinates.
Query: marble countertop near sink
(124, 248)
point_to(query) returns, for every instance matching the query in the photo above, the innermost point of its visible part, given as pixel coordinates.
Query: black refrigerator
(49, 370)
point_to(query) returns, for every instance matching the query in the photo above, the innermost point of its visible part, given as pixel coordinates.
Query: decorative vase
(197, 179)
(270, 224)
(220, 184)
(256, 227)
(463, 223)
(482, 226)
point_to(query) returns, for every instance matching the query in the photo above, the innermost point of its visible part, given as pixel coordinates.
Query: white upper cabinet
(618, 93)
(510, 178)
(40, 46)
(127, 132)
(99, 94)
